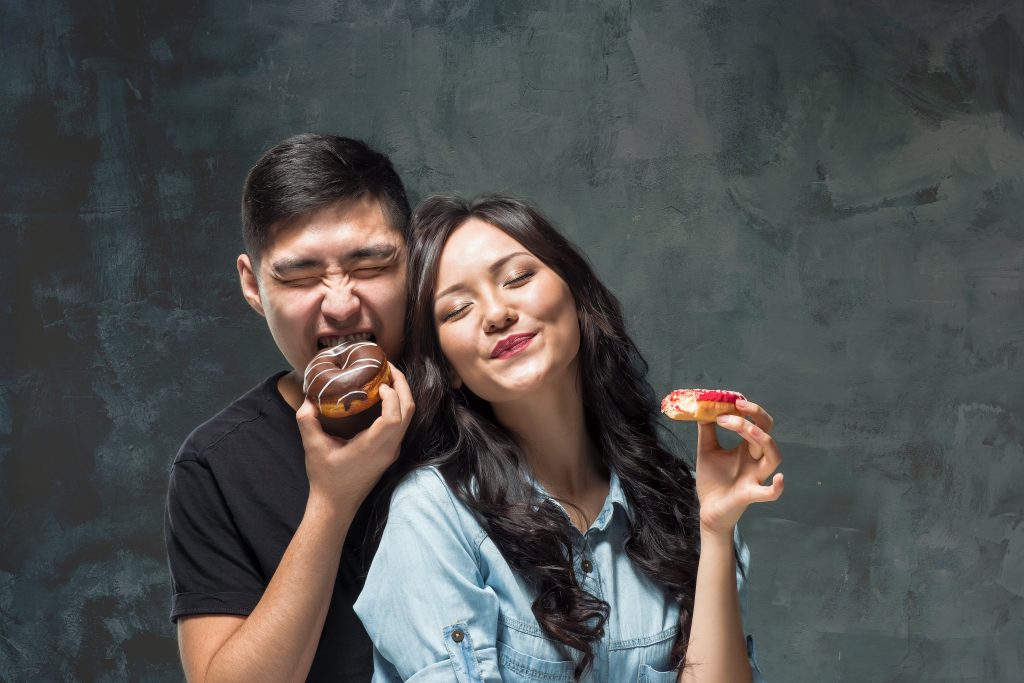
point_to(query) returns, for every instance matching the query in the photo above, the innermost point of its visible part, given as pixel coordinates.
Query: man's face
(330, 275)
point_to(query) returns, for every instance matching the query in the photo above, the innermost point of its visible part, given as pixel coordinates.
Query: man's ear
(250, 285)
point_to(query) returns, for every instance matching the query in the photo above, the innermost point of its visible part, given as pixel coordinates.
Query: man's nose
(340, 302)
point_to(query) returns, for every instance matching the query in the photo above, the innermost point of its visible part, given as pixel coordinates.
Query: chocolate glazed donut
(344, 381)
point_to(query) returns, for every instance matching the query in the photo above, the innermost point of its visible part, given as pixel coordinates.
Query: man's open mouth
(330, 342)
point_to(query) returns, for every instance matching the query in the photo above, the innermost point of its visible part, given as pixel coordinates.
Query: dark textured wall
(818, 202)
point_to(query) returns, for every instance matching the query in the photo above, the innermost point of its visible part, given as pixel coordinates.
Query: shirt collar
(616, 498)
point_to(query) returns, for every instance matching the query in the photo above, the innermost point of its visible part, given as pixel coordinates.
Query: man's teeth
(329, 342)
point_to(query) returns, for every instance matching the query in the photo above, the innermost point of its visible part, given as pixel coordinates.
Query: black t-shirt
(237, 493)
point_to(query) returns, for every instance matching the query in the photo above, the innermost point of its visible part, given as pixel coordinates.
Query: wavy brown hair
(485, 466)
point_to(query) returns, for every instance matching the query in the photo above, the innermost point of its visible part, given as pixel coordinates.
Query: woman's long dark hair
(485, 466)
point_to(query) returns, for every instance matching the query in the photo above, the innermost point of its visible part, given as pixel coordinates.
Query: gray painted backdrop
(817, 202)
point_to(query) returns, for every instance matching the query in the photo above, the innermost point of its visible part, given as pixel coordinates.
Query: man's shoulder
(250, 412)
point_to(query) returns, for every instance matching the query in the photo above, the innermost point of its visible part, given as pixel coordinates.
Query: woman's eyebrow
(493, 268)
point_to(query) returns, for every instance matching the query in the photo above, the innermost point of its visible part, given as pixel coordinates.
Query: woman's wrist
(710, 536)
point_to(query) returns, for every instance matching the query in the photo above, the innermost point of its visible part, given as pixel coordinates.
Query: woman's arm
(425, 604)
(727, 482)
(717, 649)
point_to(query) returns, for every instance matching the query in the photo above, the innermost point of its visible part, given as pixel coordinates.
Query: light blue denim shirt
(441, 604)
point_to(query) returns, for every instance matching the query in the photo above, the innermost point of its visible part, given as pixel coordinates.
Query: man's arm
(277, 641)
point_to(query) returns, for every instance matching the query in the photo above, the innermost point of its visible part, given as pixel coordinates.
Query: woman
(550, 537)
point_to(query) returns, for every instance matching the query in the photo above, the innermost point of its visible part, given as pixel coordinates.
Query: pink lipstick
(511, 345)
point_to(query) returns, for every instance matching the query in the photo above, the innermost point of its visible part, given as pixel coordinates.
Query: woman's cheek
(456, 347)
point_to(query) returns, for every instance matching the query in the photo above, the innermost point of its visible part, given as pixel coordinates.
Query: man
(265, 537)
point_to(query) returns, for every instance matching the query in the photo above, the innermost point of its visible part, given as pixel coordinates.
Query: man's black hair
(310, 171)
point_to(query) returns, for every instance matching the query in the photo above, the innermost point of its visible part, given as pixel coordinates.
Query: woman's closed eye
(455, 311)
(519, 278)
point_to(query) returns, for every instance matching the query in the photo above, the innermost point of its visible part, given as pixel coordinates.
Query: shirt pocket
(519, 667)
(649, 674)
(527, 655)
(648, 655)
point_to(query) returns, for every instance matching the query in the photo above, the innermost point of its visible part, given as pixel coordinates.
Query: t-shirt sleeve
(213, 571)
(426, 606)
(742, 570)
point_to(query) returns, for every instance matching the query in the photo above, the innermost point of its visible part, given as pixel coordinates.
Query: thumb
(306, 417)
(707, 437)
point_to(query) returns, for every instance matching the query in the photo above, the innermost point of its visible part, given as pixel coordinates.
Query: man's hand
(278, 640)
(342, 472)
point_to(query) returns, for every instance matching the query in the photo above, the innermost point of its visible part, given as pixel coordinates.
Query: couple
(536, 530)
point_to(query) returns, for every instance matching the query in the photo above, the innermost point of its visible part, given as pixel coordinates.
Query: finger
(770, 461)
(707, 437)
(404, 393)
(756, 413)
(390, 408)
(765, 494)
(750, 432)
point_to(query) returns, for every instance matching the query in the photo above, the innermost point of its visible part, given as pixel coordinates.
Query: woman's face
(506, 322)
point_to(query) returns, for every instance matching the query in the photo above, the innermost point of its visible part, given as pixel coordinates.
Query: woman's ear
(454, 379)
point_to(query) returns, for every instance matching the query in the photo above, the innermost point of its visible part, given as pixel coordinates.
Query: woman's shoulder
(422, 485)
(423, 497)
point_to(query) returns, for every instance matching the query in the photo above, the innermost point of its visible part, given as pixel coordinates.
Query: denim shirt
(441, 604)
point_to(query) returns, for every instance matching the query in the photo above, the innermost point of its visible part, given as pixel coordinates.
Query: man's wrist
(330, 511)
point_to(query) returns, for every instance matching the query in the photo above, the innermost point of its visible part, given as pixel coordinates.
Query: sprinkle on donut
(702, 405)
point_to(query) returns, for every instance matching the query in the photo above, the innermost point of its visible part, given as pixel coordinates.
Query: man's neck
(290, 388)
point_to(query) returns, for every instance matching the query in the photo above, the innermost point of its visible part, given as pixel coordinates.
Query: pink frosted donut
(702, 405)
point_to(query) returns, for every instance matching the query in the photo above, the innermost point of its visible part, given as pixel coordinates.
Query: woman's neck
(551, 428)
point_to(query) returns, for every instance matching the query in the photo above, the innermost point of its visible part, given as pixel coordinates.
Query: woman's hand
(729, 481)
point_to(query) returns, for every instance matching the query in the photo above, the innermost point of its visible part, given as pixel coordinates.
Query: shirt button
(458, 635)
(587, 566)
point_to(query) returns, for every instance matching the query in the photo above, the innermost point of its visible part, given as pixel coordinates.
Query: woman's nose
(499, 316)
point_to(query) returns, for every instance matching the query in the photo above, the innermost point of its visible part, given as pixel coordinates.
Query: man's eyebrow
(373, 251)
(494, 268)
(285, 266)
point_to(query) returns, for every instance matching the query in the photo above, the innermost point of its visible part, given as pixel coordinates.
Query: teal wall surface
(818, 202)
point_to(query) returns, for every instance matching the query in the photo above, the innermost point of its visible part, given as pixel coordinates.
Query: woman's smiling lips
(511, 345)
